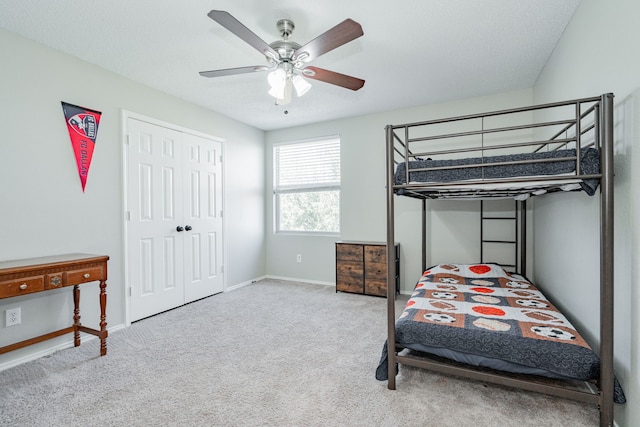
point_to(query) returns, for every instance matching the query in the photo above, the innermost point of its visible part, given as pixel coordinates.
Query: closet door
(202, 217)
(174, 218)
(155, 210)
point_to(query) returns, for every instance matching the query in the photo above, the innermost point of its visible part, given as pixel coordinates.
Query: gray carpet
(272, 353)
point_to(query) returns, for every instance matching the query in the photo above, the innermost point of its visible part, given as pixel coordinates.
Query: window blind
(307, 165)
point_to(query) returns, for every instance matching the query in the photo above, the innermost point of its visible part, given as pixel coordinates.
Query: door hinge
(126, 139)
(129, 291)
(128, 216)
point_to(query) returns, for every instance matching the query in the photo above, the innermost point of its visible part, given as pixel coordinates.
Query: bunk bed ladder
(519, 236)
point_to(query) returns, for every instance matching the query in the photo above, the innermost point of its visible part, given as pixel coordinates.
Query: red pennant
(82, 124)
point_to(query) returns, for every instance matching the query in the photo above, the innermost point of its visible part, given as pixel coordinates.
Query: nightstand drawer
(348, 252)
(377, 254)
(17, 287)
(377, 287)
(349, 284)
(350, 269)
(375, 270)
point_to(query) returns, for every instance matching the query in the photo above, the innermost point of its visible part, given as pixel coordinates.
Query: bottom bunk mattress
(482, 315)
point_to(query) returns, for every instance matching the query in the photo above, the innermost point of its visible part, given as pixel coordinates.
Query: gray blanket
(486, 316)
(589, 163)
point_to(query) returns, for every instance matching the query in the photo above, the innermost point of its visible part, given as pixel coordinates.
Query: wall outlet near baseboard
(14, 316)
(299, 258)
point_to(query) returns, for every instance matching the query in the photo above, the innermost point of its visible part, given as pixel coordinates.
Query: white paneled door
(202, 215)
(174, 218)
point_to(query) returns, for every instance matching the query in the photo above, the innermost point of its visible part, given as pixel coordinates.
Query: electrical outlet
(13, 316)
(299, 258)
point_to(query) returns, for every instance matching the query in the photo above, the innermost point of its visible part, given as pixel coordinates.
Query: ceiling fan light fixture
(282, 84)
(276, 94)
(277, 80)
(286, 97)
(302, 86)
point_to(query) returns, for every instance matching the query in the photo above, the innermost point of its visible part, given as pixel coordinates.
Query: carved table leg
(76, 315)
(103, 318)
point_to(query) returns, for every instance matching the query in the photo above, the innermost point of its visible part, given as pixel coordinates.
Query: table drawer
(13, 288)
(75, 277)
(54, 280)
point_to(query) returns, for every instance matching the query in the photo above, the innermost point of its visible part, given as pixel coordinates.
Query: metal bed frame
(594, 115)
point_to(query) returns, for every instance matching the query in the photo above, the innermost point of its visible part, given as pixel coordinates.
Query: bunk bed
(478, 320)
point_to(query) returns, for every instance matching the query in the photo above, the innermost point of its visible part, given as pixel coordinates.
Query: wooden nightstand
(361, 267)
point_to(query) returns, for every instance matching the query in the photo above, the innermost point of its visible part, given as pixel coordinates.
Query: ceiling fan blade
(232, 71)
(236, 27)
(342, 33)
(333, 78)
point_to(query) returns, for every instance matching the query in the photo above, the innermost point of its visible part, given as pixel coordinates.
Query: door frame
(124, 141)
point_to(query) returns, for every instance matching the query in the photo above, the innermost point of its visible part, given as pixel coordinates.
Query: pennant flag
(82, 125)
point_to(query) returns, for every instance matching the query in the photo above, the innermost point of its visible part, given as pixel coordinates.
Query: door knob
(187, 227)
(179, 228)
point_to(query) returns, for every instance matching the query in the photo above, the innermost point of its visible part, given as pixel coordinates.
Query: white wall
(363, 197)
(598, 53)
(43, 209)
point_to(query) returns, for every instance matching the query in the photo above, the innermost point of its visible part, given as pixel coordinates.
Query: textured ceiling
(413, 52)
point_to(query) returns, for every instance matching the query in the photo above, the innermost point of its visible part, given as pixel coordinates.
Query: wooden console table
(25, 276)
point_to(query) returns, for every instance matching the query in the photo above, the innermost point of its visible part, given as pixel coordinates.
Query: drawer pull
(86, 275)
(23, 286)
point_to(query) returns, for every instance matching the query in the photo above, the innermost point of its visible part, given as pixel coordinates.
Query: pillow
(469, 270)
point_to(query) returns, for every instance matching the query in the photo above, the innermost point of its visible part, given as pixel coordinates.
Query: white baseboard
(290, 279)
(294, 279)
(50, 350)
(243, 284)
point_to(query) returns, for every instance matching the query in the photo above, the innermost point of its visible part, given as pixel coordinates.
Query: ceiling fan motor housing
(285, 27)
(284, 47)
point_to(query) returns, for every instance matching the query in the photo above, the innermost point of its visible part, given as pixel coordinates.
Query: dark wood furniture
(361, 267)
(21, 277)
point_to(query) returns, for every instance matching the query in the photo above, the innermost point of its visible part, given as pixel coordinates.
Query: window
(307, 186)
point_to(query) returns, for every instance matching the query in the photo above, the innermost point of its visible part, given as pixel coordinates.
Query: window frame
(304, 188)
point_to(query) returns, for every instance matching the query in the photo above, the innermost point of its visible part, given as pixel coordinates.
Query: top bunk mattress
(532, 173)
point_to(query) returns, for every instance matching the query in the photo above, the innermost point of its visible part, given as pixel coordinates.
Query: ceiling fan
(287, 59)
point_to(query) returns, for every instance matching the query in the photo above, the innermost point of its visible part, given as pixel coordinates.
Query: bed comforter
(483, 315)
(589, 163)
